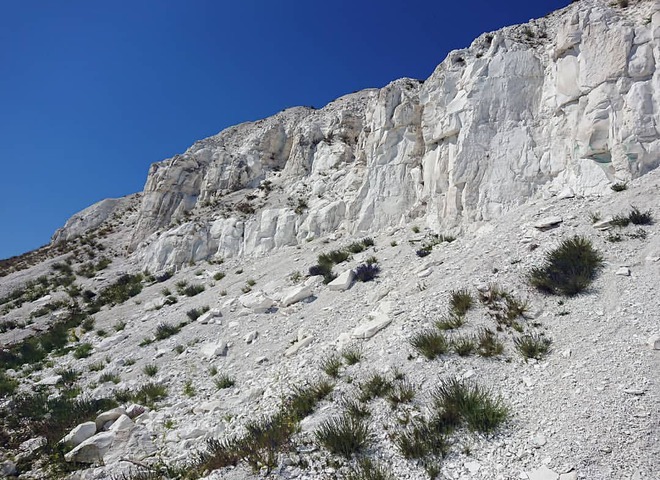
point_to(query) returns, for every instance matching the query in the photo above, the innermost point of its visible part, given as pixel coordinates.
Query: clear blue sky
(92, 92)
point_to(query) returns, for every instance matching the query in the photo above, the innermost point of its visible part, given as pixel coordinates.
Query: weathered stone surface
(623, 271)
(376, 322)
(543, 473)
(91, 450)
(654, 342)
(109, 416)
(548, 222)
(258, 302)
(342, 282)
(209, 316)
(214, 349)
(295, 294)
(79, 434)
(251, 337)
(293, 349)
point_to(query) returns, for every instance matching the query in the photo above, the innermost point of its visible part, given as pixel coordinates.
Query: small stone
(473, 467)
(568, 476)
(293, 349)
(424, 273)
(342, 282)
(543, 473)
(538, 440)
(623, 271)
(654, 342)
(548, 222)
(251, 337)
(214, 349)
(633, 391)
(295, 294)
(369, 329)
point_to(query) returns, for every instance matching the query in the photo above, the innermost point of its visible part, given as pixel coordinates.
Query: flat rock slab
(378, 321)
(214, 349)
(543, 473)
(79, 434)
(342, 282)
(548, 222)
(295, 294)
(293, 349)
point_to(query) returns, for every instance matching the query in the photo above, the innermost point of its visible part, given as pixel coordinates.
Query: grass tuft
(430, 343)
(532, 346)
(461, 301)
(352, 354)
(366, 272)
(331, 365)
(343, 435)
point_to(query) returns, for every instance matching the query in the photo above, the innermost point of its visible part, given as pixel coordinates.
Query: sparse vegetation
(460, 301)
(165, 330)
(464, 346)
(452, 321)
(217, 276)
(532, 346)
(488, 345)
(366, 272)
(189, 389)
(402, 392)
(191, 290)
(569, 269)
(83, 350)
(376, 385)
(194, 313)
(352, 354)
(430, 343)
(224, 381)
(150, 369)
(331, 365)
(619, 186)
(343, 435)
(369, 470)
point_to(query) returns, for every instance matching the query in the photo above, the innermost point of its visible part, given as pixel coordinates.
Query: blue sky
(93, 92)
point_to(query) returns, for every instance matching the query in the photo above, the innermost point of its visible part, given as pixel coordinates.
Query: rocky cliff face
(562, 105)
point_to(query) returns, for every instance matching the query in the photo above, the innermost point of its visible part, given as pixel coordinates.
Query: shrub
(471, 404)
(165, 330)
(460, 301)
(192, 290)
(421, 440)
(83, 350)
(568, 269)
(640, 218)
(7, 385)
(324, 270)
(375, 386)
(356, 247)
(224, 381)
(368, 242)
(532, 346)
(430, 343)
(194, 313)
(371, 260)
(331, 365)
(451, 321)
(619, 186)
(352, 354)
(149, 394)
(126, 286)
(343, 436)
(403, 392)
(423, 252)
(217, 276)
(303, 400)
(150, 369)
(463, 346)
(488, 345)
(366, 272)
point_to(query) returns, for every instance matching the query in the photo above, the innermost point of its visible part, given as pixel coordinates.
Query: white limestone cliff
(568, 102)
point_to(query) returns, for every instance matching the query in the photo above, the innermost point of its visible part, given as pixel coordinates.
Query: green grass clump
(422, 440)
(452, 321)
(470, 404)
(532, 346)
(147, 395)
(165, 330)
(109, 377)
(402, 392)
(619, 186)
(331, 365)
(488, 345)
(194, 313)
(343, 435)
(355, 409)
(191, 290)
(463, 346)
(126, 286)
(303, 400)
(569, 269)
(430, 343)
(352, 354)
(637, 217)
(461, 301)
(150, 369)
(375, 386)
(224, 381)
(83, 350)
(217, 276)
(334, 257)
(7, 385)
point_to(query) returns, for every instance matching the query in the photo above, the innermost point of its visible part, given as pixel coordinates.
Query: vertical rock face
(569, 101)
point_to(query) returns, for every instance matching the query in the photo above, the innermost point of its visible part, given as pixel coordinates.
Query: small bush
(303, 400)
(366, 272)
(194, 313)
(532, 346)
(119, 326)
(464, 346)
(331, 365)
(109, 377)
(7, 385)
(423, 252)
(83, 350)
(619, 186)
(375, 386)
(430, 343)
(569, 269)
(150, 369)
(324, 270)
(637, 217)
(343, 436)
(368, 242)
(461, 301)
(488, 345)
(403, 392)
(451, 321)
(224, 381)
(333, 257)
(218, 276)
(422, 440)
(355, 409)
(470, 403)
(356, 247)
(189, 389)
(352, 354)
(165, 330)
(149, 394)
(192, 290)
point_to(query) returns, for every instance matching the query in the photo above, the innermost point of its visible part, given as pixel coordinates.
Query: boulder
(79, 434)
(377, 321)
(251, 337)
(293, 349)
(209, 316)
(92, 450)
(654, 342)
(109, 416)
(342, 282)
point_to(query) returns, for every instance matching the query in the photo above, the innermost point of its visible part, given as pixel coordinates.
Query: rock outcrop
(566, 103)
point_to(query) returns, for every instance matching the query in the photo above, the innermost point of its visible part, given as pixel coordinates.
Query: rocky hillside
(453, 278)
